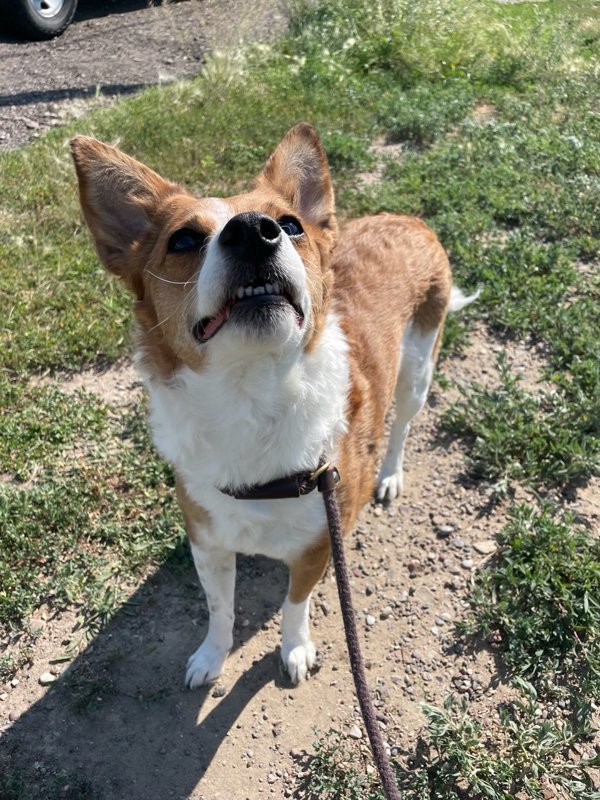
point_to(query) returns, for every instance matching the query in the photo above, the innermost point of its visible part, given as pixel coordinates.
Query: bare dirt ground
(116, 47)
(118, 716)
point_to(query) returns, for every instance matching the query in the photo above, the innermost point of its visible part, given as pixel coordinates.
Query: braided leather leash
(327, 481)
(325, 478)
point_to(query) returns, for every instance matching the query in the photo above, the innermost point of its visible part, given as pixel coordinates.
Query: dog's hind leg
(298, 653)
(417, 360)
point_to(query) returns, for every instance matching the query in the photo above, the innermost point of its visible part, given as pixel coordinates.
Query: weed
(543, 596)
(514, 435)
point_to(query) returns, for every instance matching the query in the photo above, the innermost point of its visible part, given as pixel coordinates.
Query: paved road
(115, 47)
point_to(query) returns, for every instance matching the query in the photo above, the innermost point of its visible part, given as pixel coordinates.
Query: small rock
(13, 716)
(467, 563)
(355, 732)
(415, 567)
(443, 531)
(486, 547)
(378, 511)
(370, 620)
(370, 588)
(219, 691)
(46, 678)
(386, 612)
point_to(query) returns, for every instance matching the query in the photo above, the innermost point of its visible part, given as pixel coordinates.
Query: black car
(38, 19)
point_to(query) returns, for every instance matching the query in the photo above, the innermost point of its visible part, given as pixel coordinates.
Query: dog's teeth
(248, 291)
(240, 293)
(269, 288)
(259, 290)
(276, 287)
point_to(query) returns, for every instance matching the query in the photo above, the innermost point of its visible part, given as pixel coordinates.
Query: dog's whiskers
(166, 280)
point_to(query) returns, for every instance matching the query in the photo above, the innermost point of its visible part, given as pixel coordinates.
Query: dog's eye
(185, 240)
(291, 226)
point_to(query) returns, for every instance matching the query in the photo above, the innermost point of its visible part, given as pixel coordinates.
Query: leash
(326, 484)
(325, 478)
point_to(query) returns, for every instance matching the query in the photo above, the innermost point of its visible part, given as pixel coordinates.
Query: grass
(519, 753)
(543, 596)
(492, 110)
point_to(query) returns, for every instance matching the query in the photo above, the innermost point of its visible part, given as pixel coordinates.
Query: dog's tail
(459, 300)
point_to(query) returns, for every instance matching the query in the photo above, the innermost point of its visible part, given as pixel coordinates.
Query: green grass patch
(543, 595)
(97, 509)
(539, 439)
(516, 752)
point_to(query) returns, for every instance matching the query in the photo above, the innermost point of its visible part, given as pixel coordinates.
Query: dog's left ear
(298, 171)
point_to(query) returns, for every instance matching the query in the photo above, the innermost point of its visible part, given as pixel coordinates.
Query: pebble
(467, 563)
(13, 716)
(443, 531)
(415, 567)
(219, 691)
(370, 620)
(386, 612)
(486, 547)
(46, 678)
(355, 732)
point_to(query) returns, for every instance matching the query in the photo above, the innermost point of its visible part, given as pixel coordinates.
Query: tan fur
(384, 271)
(381, 263)
(306, 571)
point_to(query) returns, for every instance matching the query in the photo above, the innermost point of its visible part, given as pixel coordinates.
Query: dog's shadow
(119, 721)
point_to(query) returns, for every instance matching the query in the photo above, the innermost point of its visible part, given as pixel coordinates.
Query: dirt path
(116, 47)
(119, 717)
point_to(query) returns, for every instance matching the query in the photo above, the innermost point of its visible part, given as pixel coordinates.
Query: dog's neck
(253, 421)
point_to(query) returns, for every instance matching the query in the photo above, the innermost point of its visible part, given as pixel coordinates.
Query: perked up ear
(298, 171)
(118, 196)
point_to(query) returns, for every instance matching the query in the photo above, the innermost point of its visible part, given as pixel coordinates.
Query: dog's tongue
(213, 324)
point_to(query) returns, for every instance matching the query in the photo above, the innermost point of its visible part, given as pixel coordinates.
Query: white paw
(298, 661)
(205, 665)
(390, 487)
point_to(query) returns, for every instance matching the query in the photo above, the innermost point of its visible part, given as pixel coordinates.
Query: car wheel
(38, 19)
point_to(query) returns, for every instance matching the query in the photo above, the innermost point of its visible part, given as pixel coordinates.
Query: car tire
(38, 19)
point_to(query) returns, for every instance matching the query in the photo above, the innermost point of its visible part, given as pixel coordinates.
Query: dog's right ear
(119, 197)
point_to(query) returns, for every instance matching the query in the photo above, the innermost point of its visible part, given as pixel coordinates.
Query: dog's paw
(389, 487)
(204, 666)
(298, 661)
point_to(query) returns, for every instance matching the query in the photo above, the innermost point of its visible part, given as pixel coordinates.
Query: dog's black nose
(251, 237)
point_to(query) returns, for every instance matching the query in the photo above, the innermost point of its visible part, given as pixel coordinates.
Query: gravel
(116, 47)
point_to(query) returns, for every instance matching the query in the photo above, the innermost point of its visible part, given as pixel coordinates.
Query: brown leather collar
(324, 478)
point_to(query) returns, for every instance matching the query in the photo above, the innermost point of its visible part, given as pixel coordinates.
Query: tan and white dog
(267, 339)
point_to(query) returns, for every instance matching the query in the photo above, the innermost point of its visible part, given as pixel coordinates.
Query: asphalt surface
(116, 47)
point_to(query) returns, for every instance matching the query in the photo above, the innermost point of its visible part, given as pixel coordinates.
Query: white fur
(213, 289)
(459, 300)
(247, 420)
(297, 651)
(412, 386)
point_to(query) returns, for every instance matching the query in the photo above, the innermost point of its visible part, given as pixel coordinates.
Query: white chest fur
(244, 421)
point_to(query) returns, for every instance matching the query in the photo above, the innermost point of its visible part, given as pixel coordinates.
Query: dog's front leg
(298, 653)
(216, 570)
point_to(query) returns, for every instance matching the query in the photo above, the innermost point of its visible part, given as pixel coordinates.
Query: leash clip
(327, 477)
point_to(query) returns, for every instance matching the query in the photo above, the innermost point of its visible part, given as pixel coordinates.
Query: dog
(269, 341)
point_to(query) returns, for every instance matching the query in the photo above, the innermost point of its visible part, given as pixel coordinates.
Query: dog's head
(216, 277)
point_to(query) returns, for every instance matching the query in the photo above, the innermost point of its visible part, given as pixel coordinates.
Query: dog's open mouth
(252, 304)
